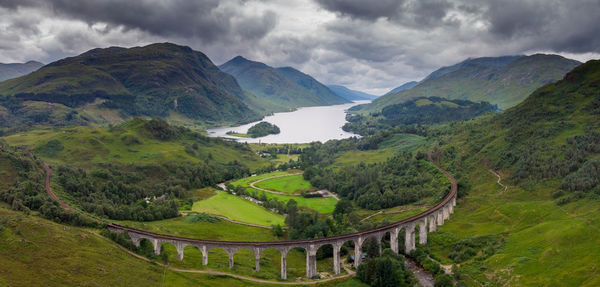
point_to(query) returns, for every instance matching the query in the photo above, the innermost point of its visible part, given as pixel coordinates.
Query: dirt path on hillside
(49, 189)
(504, 187)
(60, 202)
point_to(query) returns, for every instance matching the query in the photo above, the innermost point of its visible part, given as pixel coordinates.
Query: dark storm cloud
(424, 13)
(206, 19)
(374, 44)
(357, 8)
(562, 26)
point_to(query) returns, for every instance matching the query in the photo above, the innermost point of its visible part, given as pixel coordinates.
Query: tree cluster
(400, 180)
(142, 192)
(263, 129)
(27, 191)
(385, 271)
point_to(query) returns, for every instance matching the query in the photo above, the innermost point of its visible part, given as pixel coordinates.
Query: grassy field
(222, 230)
(236, 208)
(387, 148)
(319, 204)
(126, 143)
(36, 250)
(290, 184)
(546, 244)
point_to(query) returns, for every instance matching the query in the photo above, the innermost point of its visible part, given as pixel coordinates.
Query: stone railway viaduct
(427, 222)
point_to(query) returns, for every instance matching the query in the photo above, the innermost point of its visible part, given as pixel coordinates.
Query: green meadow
(319, 204)
(237, 208)
(289, 184)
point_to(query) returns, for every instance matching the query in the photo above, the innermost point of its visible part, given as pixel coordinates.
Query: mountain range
(505, 81)
(279, 89)
(158, 80)
(14, 70)
(403, 87)
(351, 95)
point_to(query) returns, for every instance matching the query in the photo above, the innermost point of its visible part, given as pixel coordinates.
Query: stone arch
(295, 260)
(243, 257)
(193, 255)
(325, 256)
(216, 257)
(166, 247)
(373, 240)
(270, 260)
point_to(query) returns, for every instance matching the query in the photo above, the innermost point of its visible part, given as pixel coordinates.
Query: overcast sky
(366, 45)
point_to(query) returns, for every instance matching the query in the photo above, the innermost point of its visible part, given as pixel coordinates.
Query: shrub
(443, 280)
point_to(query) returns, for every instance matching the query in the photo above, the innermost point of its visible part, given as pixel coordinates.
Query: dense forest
(417, 112)
(402, 179)
(263, 129)
(142, 192)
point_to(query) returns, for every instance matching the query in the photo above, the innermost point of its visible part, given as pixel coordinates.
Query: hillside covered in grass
(157, 80)
(279, 89)
(139, 170)
(541, 228)
(503, 81)
(417, 112)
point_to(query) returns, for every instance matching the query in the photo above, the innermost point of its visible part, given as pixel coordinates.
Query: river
(304, 125)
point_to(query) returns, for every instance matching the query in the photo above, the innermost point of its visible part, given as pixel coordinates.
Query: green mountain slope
(156, 80)
(279, 89)
(350, 95)
(545, 208)
(405, 86)
(504, 81)
(13, 70)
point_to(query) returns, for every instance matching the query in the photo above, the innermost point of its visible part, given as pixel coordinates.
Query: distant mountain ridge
(505, 81)
(14, 70)
(279, 89)
(349, 94)
(158, 80)
(403, 87)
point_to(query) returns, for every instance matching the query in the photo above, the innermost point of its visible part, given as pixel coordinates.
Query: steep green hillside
(140, 170)
(417, 112)
(546, 151)
(13, 70)
(405, 86)
(312, 85)
(504, 81)
(156, 80)
(350, 95)
(130, 143)
(277, 90)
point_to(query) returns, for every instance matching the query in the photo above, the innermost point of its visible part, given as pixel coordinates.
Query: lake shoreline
(303, 125)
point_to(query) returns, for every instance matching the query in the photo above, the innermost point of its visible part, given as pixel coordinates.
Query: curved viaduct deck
(427, 221)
